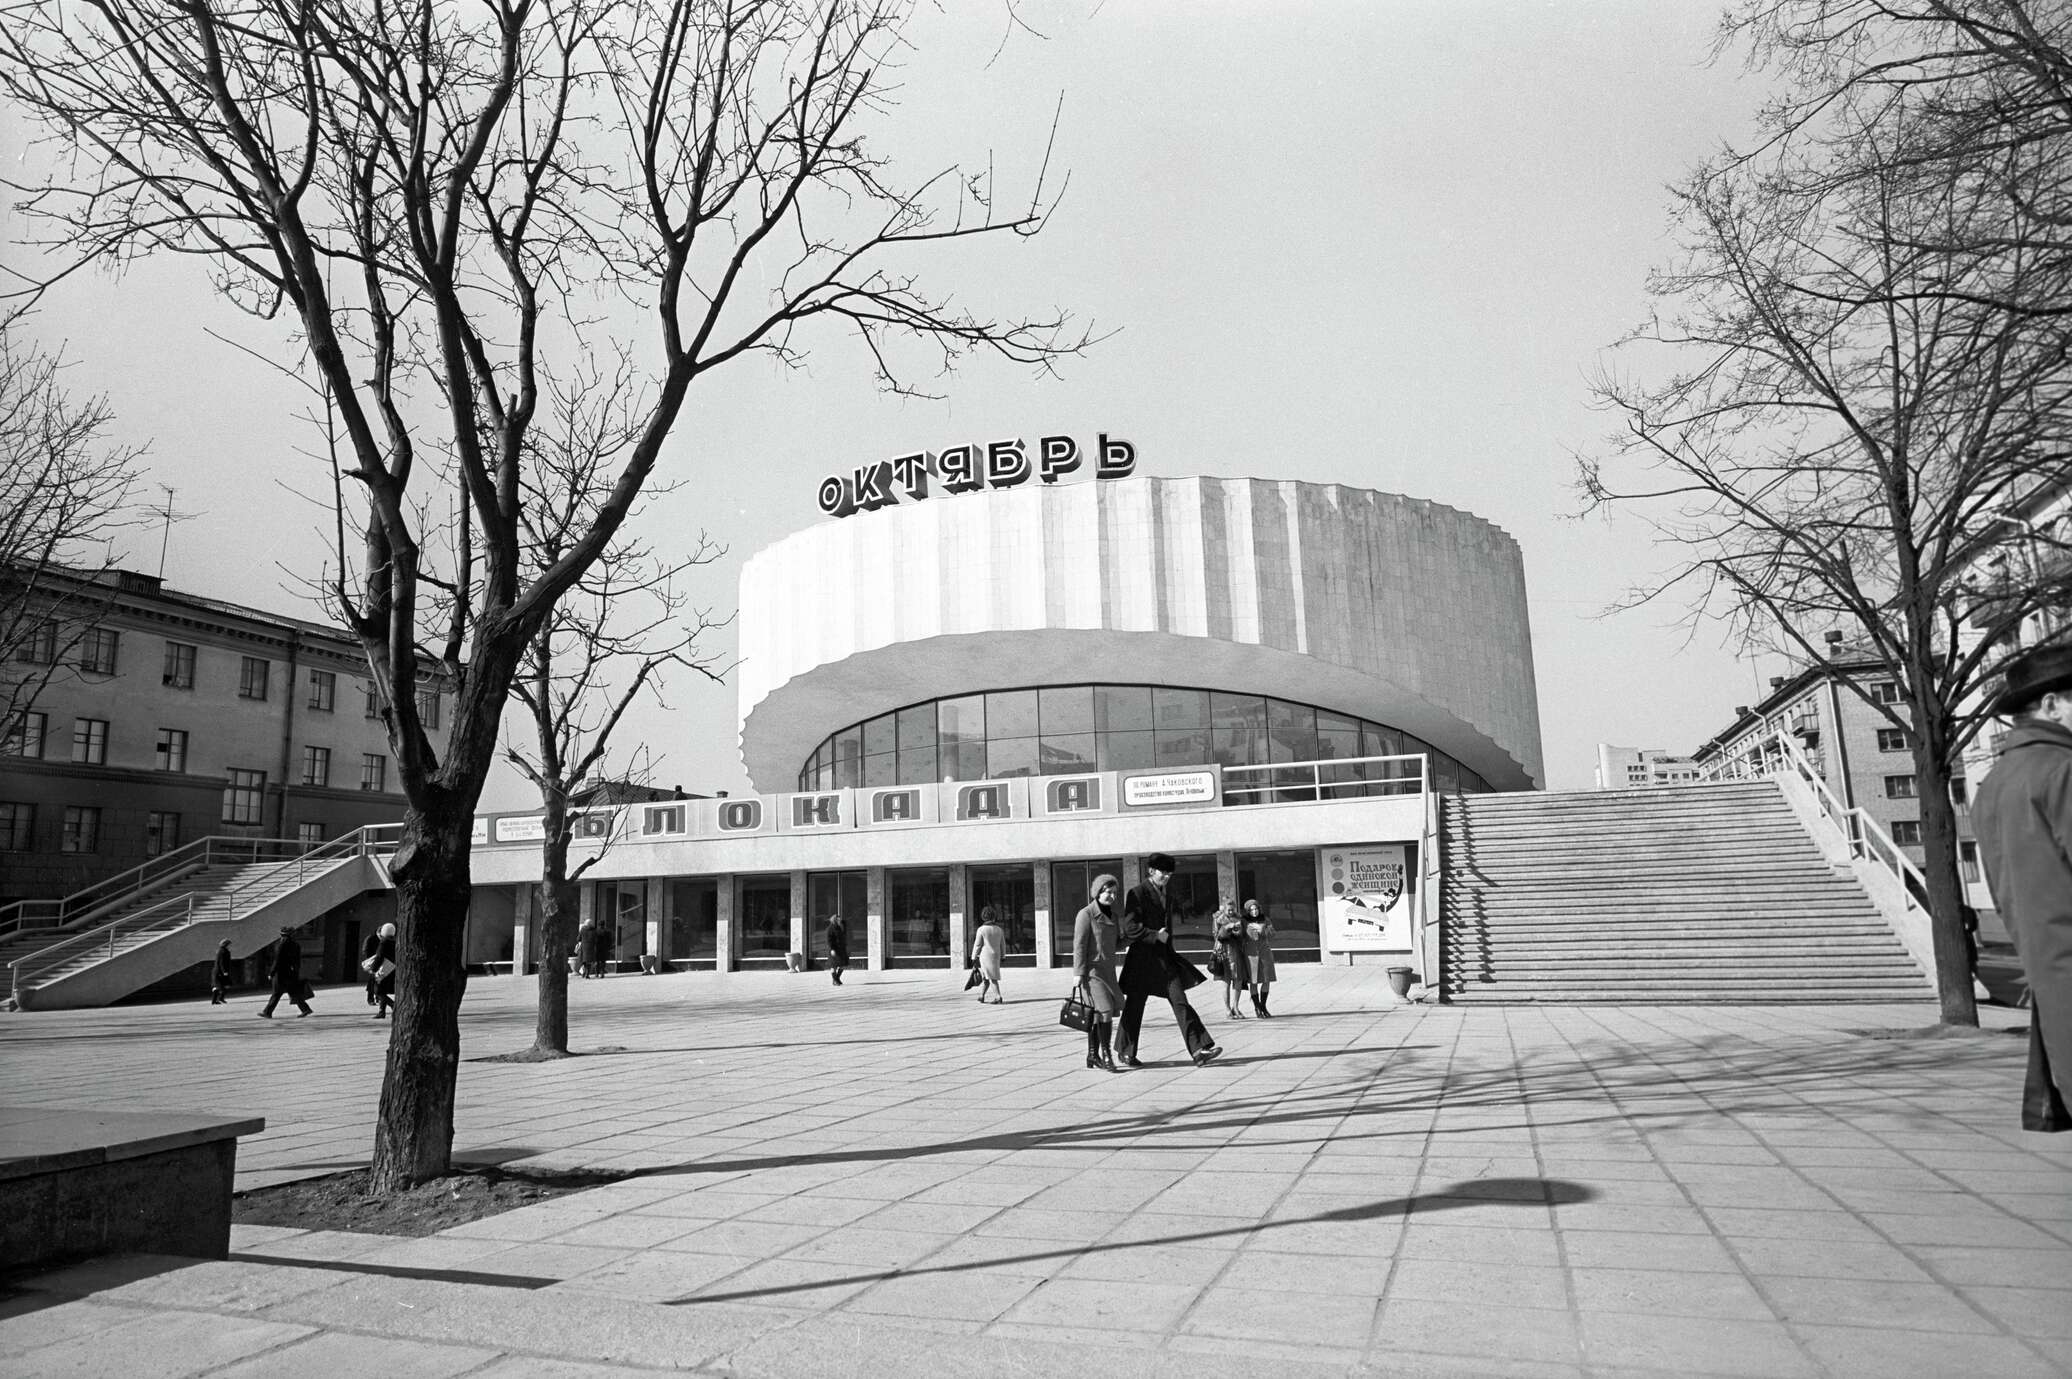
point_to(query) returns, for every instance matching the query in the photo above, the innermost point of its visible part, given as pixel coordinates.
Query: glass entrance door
(1071, 887)
(1013, 891)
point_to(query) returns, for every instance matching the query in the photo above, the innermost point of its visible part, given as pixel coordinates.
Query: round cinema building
(975, 688)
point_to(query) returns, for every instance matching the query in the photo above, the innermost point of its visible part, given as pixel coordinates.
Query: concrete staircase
(1702, 893)
(159, 932)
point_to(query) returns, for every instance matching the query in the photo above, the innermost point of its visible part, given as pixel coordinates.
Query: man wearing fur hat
(2022, 815)
(1154, 969)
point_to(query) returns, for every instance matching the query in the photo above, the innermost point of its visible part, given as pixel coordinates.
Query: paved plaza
(890, 1179)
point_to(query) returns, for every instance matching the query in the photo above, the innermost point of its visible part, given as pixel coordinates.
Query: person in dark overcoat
(2022, 815)
(369, 961)
(1154, 969)
(385, 971)
(287, 976)
(1094, 934)
(219, 974)
(837, 947)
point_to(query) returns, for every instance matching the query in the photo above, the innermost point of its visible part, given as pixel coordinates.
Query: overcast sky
(1373, 243)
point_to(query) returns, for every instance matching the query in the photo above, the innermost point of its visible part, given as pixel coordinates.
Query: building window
(1892, 740)
(1960, 792)
(1907, 832)
(373, 698)
(323, 690)
(172, 749)
(1899, 787)
(1967, 861)
(1884, 691)
(24, 737)
(82, 829)
(316, 765)
(373, 772)
(251, 678)
(40, 647)
(90, 741)
(179, 666)
(161, 832)
(244, 796)
(428, 709)
(310, 833)
(97, 651)
(17, 827)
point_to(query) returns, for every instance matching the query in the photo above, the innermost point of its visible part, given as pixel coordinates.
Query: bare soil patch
(341, 1202)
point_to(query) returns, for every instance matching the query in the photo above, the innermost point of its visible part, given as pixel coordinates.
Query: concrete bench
(79, 1183)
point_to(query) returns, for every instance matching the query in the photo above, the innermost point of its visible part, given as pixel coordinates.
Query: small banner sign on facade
(1365, 892)
(1161, 789)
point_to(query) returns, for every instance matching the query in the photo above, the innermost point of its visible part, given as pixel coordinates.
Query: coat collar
(2034, 734)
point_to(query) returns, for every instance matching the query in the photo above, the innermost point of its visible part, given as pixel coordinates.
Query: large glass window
(1285, 885)
(1191, 905)
(917, 915)
(844, 893)
(1011, 891)
(622, 910)
(179, 666)
(244, 795)
(693, 921)
(1072, 729)
(1071, 887)
(763, 920)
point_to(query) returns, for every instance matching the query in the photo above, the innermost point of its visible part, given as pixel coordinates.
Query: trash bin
(1400, 979)
(795, 962)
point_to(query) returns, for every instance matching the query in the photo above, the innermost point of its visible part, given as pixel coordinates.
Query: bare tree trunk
(557, 908)
(1939, 868)
(413, 1133)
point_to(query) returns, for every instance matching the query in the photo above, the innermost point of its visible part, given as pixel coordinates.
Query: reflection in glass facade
(1072, 729)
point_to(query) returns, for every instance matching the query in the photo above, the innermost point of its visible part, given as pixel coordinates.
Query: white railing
(375, 841)
(105, 941)
(1339, 778)
(124, 886)
(1780, 755)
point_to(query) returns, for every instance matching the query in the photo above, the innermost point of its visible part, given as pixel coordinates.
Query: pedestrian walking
(1093, 968)
(385, 971)
(219, 975)
(1259, 953)
(1152, 968)
(2022, 815)
(987, 947)
(287, 976)
(837, 947)
(1230, 957)
(368, 947)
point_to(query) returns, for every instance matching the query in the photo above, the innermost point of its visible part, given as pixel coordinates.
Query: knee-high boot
(1107, 1032)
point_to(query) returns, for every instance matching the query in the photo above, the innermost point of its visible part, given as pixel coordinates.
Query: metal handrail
(1306, 780)
(1867, 839)
(371, 840)
(179, 909)
(124, 885)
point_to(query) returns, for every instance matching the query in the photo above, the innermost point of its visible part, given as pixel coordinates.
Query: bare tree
(65, 494)
(609, 641)
(1856, 408)
(451, 204)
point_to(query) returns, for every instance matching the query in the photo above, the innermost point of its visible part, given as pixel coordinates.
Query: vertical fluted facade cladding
(1393, 608)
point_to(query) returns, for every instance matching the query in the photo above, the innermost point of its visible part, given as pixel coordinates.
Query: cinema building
(951, 700)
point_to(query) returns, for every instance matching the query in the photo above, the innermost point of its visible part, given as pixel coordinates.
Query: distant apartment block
(1633, 768)
(163, 717)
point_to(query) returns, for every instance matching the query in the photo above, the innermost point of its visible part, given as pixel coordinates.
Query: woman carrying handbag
(1230, 964)
(1093, 968)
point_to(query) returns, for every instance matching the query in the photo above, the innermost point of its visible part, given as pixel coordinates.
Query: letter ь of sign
(1118, 459)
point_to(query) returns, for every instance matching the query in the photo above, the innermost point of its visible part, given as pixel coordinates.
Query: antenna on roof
(165, 530)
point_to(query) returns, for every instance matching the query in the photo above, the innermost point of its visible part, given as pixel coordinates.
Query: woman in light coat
(987, 947)
(1093, 968)
(1259, 949)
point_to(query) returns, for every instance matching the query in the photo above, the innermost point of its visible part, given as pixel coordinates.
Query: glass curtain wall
(917, 917)
(1073, 729)
(693, 922)
(1071, 887)
(622, 909)
(838, 892)
(1285, 885)
(1013, 890)
(763, 920)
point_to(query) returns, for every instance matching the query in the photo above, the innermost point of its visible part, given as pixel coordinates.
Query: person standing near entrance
(837, 947)
(1154, 969)
(1230, 953)
(287, 976)
(1093, 968)
(385, 971)
(219, 975)
(988, 945)
(1259, 947)
(2022, 815)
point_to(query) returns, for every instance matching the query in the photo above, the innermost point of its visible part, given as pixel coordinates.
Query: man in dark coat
(219, 974)
(1154, 969)
(2022, 815)
(287, 975)
(370, 958)
(837, 947)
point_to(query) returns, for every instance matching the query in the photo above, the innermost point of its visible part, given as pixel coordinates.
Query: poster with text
(1366, 898)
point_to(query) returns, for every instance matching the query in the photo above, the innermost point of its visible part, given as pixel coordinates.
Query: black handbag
(1219, 966)
(1076, 1014)
(974, 979)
